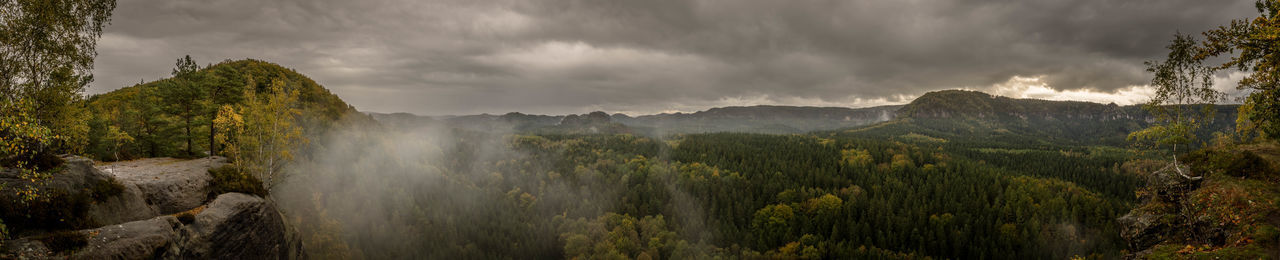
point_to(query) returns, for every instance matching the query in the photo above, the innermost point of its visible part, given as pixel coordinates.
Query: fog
(428, 191)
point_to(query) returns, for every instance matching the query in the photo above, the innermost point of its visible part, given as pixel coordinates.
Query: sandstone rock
(233, 226)
(24, 249)
(78, 196)
(130, 205)
(1153, 221)
(1142, 229)
(171, 185)
(238, 226)
(147, 239)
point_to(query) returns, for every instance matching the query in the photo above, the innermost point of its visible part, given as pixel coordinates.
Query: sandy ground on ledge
(155, 169)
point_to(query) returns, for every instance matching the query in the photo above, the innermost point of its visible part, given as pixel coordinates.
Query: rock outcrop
(145, 239)
(129, 205)
(133, 221)
(234, 226)
(78, 196)
(1143, 229)
(1156, 218)
(237, 226)
(171, 185)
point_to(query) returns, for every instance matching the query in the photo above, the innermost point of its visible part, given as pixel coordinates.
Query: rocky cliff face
(138, 220)
(1157, 218)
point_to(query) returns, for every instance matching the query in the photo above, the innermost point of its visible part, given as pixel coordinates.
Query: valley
(549, 129)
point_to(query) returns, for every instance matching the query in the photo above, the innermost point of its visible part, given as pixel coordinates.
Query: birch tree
(261, 135)
(1183, 86)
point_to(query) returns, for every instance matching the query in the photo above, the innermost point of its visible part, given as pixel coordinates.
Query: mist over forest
(553, 129)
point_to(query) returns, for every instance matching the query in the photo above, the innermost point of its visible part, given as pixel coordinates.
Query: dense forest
(821, 195)
(954, 174)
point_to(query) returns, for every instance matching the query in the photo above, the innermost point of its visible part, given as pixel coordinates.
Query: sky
(455, 57)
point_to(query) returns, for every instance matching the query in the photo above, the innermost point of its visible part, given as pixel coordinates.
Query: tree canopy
(1182, 84)
(1254, 47)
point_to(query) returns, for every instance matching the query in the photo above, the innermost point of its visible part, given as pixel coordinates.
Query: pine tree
(186, 99)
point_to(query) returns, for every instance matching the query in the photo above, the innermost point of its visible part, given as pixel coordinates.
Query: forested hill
(981, 117)
(974, 104)
(231, 77)
(160, 116)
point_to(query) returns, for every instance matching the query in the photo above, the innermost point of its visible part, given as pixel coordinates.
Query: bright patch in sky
(1035, 87)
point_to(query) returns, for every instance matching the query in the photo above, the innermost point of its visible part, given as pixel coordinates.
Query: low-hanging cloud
(572, 56)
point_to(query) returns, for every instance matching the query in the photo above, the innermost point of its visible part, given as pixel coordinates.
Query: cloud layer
(573, 56)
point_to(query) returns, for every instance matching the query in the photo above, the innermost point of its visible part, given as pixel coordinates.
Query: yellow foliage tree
(900, 162)
(856, 157)
(20, 143)
(826, 204)
(117, 138)
(261, 134)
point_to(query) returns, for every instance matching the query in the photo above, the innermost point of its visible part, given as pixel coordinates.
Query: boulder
(1154, 220)
(77, 196)
(238, 226)
(233, 226)
(147, 239)
(1143, 229)
(125, 202)
(129, 205)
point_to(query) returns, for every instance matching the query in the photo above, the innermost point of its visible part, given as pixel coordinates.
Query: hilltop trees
(174, 116)
(1181, 82)
(221, 91)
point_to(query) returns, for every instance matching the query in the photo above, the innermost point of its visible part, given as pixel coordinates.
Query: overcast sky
(649, 56)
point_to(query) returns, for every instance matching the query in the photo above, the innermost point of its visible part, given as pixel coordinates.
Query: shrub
(231, 179)
(64, 241)
(105, 188)
(43, 161)
(1232, 163)
(58, 210)
(1245, 164)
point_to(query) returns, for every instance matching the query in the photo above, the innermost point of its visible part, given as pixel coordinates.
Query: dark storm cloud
(572, 56)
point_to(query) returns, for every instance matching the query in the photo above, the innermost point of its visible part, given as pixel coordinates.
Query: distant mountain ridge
(981, 117)
(941, 114)
(765, 119)
(752, 119)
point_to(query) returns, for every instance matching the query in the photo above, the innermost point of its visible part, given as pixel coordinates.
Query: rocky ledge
(157, 211)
